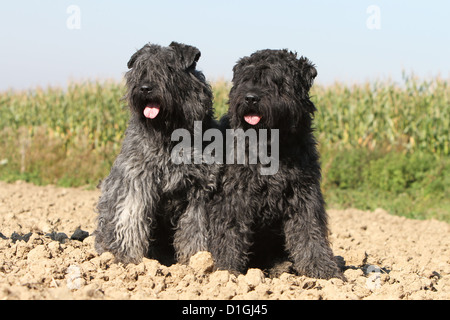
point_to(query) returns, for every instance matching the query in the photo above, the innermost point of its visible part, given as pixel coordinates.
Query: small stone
(79, 235)
(18, 237)
(219, 277)
(55, 248)
(254, 277)
(57, 236)
(153, 267)
(202, 262)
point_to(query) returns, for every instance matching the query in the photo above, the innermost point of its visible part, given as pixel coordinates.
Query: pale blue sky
(37, 48)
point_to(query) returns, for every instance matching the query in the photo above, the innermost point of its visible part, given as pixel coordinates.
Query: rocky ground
(44, 254)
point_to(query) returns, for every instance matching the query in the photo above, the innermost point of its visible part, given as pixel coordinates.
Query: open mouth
(252, 118)
(151, 111)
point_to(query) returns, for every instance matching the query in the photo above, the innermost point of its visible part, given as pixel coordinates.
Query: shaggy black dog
(255, 219)
(149, 205)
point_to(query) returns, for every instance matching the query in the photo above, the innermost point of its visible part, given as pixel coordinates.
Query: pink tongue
(151, 112)
(252, 119)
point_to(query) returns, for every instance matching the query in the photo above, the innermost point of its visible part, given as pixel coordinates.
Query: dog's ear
(189, 55)
(308, 70)
(134, 57)
(238, 67)
(132, 60)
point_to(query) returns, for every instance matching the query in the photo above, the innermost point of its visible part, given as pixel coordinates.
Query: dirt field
(386, 257)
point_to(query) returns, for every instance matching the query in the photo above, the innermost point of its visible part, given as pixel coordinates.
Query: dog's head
(271, 90)
(164, 87)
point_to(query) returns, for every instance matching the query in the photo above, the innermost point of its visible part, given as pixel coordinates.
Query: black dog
(255, 219)
(151, 206)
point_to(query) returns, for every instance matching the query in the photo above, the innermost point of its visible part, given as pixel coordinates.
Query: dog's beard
(246, 117)
(150, 108)
(160, 115)
(277, 116)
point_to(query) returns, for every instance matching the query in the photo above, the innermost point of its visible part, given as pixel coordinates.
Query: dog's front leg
(230, 234)
(191, 230)
(306, 236)
(125, 217)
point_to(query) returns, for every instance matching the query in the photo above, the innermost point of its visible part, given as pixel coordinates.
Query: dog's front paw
(321, 270)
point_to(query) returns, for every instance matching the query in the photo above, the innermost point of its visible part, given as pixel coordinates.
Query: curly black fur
(257, 220)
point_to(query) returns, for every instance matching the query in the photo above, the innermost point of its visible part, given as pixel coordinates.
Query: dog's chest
(261, 192)
(170, 178)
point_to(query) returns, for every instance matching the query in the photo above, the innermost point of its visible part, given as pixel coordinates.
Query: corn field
(413, 116)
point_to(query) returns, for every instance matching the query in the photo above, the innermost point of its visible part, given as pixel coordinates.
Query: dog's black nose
(251, 99)
(145, 89)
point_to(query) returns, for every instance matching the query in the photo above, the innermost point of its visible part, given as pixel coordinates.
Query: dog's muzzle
(152, 108)
(251, 102)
